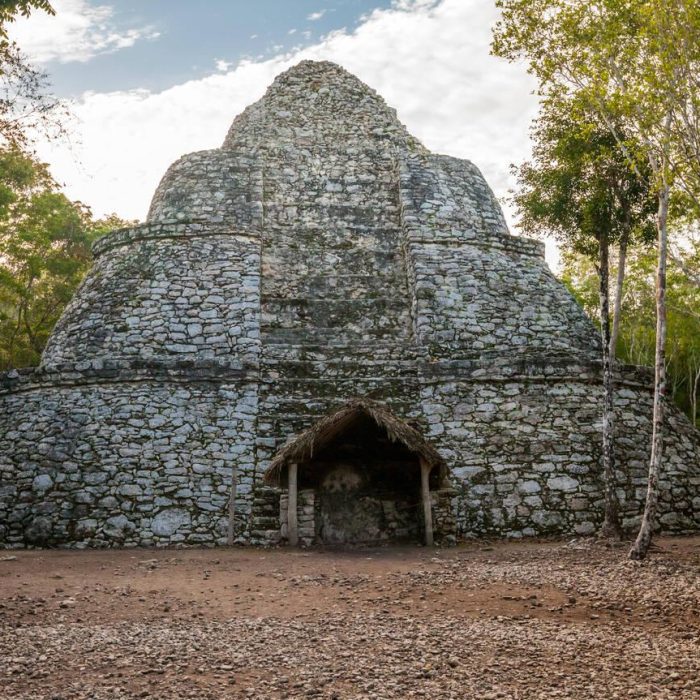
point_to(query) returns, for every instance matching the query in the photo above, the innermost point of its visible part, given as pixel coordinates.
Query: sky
(150, 80)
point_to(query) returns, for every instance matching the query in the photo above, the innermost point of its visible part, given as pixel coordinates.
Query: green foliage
(26, 106)
(579, 186)
(44, 253)
(635, 64)
(9, 9)
(638, 324)
(579, 275)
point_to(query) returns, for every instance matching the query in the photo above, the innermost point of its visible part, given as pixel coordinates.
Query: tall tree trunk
(617, 308)
(611, 523)
(641, 545)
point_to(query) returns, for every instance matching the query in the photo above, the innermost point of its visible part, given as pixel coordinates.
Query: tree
(633, 63)
(25, 104)
(580, 188)
(44, 253)
(637, 328)
(44, 237)
(9, 9)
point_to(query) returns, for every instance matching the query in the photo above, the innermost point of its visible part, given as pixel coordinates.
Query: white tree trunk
(611, 523)
(617, 308)
(643, 541)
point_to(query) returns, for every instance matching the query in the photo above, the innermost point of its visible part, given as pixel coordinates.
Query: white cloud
(78, 32)
(315, 16)
(222, 65)
(429, 60)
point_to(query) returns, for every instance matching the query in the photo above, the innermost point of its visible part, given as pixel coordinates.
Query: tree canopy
(579, 186)
(637, 332)
(26, 105)
(9, 9)
(632, 63)
(45, 244)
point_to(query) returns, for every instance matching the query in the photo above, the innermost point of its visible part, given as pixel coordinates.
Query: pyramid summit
(334, 325)
(322, 97)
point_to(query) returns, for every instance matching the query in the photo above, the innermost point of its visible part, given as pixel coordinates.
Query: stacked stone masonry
(321, 254)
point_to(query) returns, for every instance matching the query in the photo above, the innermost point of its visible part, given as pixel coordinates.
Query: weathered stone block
(562, 483)
(169, 520)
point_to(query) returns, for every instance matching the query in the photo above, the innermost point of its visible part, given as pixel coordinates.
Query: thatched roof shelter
(311, 441)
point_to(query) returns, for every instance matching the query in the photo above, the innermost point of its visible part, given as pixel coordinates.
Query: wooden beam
(232, 504)
(425, 497)
(292, 531)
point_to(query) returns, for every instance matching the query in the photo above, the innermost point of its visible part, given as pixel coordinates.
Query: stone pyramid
(322, 254)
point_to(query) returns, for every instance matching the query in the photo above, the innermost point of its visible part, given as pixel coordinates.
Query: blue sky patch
(194, 36)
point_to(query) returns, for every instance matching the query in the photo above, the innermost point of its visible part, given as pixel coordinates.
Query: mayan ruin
(323, 314)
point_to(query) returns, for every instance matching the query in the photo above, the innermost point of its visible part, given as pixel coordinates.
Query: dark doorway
(367, 487)
(361, 474)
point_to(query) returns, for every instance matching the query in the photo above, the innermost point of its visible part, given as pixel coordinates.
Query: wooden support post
(425, 497)
(292, 532)
(232, 504)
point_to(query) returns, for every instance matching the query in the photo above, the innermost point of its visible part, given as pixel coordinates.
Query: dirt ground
(526, 620)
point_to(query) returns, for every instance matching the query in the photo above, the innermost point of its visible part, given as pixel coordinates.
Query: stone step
(265, 536)
(265, 507)
(266, 523)
(298, 263)
(320, 207)
(284, 428)
(363, 331)
(380, 350)
(388, 312)
(338, 285)
(380, 387)
(288, 370)
(294, 414)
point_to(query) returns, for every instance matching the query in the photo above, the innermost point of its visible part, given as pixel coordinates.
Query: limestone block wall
(318, 102)
(474, 298)
(306, 519)
(136, 454)
(444, 523)
(331, 259)
(521, 437)
(214, 186)
(524, 449)
(445, 198)
(125, 456)
(475, 289)
(183, 291)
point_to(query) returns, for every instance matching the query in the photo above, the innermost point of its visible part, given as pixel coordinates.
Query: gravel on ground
(509, 620)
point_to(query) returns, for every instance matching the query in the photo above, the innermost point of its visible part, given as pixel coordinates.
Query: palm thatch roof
(312, 440)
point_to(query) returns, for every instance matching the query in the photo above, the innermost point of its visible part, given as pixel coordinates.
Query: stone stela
(323, 333)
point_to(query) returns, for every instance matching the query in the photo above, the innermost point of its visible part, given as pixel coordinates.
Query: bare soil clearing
(571, 619)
